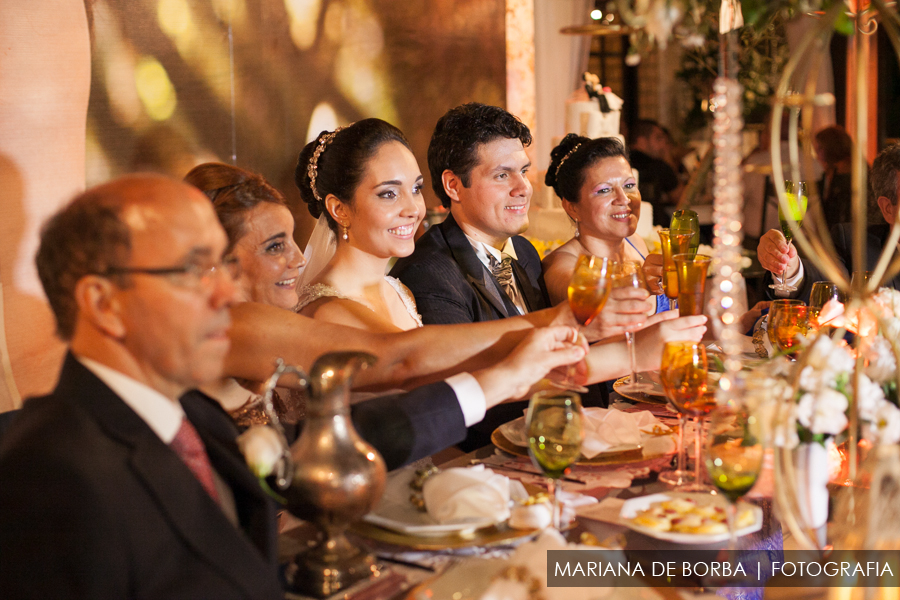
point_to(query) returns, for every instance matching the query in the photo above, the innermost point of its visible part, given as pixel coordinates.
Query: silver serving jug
(337, 479)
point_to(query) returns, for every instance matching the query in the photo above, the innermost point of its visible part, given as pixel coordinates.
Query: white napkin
(466, 494)
(607, 428)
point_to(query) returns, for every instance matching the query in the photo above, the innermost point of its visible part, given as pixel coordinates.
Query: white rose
(839, 359)
(823, 412)
(812, 379)
(891, 329)
(882, 365)
(818, 353)
(870, 396)
(262, 449)
(885, 428)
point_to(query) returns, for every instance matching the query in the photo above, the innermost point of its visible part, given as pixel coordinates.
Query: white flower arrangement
(825, 378)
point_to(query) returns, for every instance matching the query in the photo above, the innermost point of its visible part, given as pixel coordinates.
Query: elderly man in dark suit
(777, 257)
(475, 266)
(111, 487)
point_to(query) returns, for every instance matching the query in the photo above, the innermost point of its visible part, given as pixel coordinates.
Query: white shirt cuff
(794, 281)
(470, 397)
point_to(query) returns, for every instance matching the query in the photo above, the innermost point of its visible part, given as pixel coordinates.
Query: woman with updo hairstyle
(260, 231)
(364, 186)
(599, 192)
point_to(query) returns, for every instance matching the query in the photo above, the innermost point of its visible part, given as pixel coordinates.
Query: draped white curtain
(558, 64)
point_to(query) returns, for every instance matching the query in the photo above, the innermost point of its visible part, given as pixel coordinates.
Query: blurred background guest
(657, 180)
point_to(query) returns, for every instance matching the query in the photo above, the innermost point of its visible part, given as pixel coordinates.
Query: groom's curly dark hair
(458, 136)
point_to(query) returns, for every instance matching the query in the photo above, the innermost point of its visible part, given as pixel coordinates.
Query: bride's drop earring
(346, 233)
(577, 230)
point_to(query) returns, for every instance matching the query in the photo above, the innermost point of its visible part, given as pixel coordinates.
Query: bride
(364, 186)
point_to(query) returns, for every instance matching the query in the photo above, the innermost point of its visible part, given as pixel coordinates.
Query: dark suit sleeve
(438, 300)
(413, 425)
(58, 538)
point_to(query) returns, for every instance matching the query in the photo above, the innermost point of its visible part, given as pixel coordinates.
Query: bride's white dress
(310, 293)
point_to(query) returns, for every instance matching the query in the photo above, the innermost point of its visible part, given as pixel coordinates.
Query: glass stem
(629, 339)
(682, 422)
(553, 488)
(732, 524)
(698, 425)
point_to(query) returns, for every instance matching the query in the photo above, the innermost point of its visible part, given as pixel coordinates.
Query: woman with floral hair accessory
(599, 192)
(363, 184)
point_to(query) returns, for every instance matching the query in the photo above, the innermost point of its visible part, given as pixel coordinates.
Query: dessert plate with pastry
(687, 518)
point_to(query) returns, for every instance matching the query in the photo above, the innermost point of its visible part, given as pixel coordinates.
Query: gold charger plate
(610, 458)
(652, 398)
(494, 535)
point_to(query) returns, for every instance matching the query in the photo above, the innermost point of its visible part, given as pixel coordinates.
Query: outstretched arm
(262, 333)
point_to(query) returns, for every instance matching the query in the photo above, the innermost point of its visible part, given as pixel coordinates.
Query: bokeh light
(154, 89)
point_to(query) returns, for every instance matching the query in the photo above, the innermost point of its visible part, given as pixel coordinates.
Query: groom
(475, 266)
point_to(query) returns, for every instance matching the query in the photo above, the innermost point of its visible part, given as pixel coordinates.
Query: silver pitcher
(337, 478)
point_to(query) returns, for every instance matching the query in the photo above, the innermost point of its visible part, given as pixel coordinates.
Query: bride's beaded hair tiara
(313, 167)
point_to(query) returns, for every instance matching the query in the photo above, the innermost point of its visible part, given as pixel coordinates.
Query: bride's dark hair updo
(341, 163)
(572, 156)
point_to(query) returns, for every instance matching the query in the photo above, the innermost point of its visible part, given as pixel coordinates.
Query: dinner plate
(396, 513)
(510, 437)
(631, 507)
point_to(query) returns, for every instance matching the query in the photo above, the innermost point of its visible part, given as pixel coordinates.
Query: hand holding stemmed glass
(734, 456)
(588, 291)
(797, 199)
(628, 274)
(684, 374)
(555, 432)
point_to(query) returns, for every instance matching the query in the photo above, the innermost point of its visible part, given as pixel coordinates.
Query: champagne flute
(588, 292)
(555, 431)
(734, 457)
(796, 200)
(628, 274)
(822, 292)
(789, 323)
(684, 375)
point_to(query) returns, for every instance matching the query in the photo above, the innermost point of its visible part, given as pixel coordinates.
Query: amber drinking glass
(588, 292)
(684, 375)
(774, 308)
(822, 292)
(672, 242)
(628, 274)
(789, 323)
(691, 270)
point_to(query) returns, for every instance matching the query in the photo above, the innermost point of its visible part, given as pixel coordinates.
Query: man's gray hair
(883, 177)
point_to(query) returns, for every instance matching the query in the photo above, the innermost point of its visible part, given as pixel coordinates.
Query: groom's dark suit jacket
(842, 237)
(451, 285)
(94, 505)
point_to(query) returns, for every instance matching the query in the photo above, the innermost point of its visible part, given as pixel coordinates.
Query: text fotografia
(716, 568)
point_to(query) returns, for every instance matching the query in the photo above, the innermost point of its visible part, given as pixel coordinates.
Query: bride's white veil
(319, 250)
